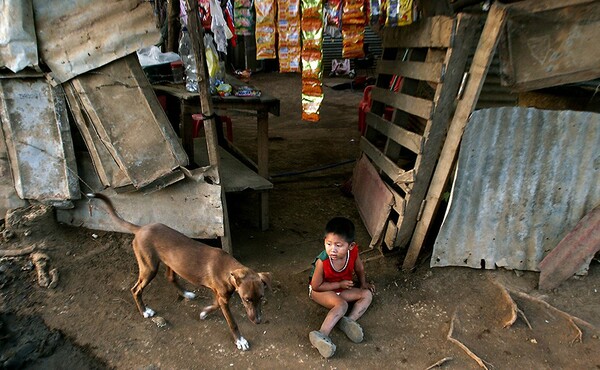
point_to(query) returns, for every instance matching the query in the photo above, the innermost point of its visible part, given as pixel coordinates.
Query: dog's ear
(237, 276)
(266, 279)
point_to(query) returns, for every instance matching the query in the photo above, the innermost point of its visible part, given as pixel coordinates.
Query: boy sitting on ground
(332, 286)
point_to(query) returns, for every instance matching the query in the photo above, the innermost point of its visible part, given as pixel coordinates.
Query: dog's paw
(203, 315)
(242, 344)
(189, 295)
(148, 312)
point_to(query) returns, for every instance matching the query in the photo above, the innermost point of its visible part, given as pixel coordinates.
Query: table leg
(187, 128)
(262, 138)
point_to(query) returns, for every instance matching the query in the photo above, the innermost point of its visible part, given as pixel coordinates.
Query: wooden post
(479, 67)
(197, 38)
(173, 25)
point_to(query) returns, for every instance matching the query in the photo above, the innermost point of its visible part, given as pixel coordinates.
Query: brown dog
(197, 263)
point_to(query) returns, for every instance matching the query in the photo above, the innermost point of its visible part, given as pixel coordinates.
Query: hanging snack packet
(333, 18)
(243, 16)
(289, 35)
(399, 13)
(312, 59)
(353, 29)
(265, 29)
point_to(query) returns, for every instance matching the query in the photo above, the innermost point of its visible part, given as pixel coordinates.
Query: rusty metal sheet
(18, 46)
(373, 198)
(549, 43)
(573, 253)
(38, 140)
(77, 36)
(525, 178)
(128, 126)
(192, 207)
(8, 194)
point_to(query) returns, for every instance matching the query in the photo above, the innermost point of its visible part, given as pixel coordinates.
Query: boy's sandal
(352, 329)
(322, 343)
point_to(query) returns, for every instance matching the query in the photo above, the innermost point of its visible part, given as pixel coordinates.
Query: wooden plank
(553, 49)
(235, 175)
(431, 32)
(544, 5)
(479, 67)
(455, 59)
(197, 37)
(431, 72)
(573, 253)
(384, 163)
(373, 198)
(410, 104)
(406, 138)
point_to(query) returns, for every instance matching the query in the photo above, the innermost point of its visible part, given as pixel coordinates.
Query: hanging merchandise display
(399, 13)
(333, 18)
(203, 11)
(289, 35)
(353, 29)
(265, 29)
(219, 27)
(243, 17)
(312, 59)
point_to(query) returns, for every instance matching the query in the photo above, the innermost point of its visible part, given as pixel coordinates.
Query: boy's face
(336, 246)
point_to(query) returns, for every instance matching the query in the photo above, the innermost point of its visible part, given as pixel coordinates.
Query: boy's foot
(322, 343)
(351, 328)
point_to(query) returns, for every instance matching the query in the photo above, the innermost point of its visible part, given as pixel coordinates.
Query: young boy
(332, 286)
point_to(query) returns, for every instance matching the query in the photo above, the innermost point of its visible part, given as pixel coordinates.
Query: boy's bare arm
(318, 284)
(359, 269)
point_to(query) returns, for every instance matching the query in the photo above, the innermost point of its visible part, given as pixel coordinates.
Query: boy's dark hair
(341, 226)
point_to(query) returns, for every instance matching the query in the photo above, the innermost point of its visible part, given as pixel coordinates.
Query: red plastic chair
(199, 123)
(365, 106)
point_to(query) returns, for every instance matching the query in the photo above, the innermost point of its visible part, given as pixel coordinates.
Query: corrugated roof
(76, 36)
(525, 178)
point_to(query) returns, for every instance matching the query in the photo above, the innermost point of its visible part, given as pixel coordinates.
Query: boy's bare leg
(338, 305)
(362, 303)
(337, 308)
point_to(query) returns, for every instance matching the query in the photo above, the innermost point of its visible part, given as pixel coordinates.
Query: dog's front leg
(240, 341)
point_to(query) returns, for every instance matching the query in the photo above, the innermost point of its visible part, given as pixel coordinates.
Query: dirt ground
(89, 320)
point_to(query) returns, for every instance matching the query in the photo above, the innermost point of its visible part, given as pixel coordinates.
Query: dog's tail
(111, 211)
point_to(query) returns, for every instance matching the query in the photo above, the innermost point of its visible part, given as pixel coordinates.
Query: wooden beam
(479, 67)
(381, 161)
(432, 32)
(406, 138)
(197, 37)
(410, 104)
(431, 72)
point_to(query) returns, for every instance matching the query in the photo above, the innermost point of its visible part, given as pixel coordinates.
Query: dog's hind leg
(148, 269)
(172, 277)
(208, 309)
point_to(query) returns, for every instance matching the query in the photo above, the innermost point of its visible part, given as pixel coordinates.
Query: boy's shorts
(310, 291)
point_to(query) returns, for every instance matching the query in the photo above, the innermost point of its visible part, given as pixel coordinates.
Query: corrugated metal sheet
(128, 125)
(525, 178)
(38, 141)
(76, 36)
(18, 46)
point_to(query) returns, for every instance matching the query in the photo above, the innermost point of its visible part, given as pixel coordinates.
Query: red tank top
(346, 273)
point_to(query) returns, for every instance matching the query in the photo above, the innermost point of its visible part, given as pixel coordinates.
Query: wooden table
(231, 106)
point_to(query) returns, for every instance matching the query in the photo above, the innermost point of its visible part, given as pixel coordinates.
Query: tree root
(440, 363)
(570, 318)
(17, 252)
(45, 279)
(462, 346)
(515, 311)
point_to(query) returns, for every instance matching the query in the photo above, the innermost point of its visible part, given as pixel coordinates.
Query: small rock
(159, 321)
